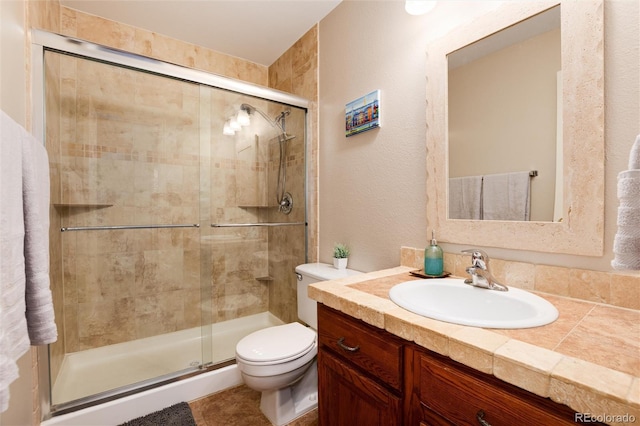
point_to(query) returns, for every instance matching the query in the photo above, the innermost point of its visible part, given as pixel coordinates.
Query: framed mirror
(575, 223)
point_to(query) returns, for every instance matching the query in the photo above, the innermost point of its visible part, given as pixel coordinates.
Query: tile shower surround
(145, 170)
(145, 167)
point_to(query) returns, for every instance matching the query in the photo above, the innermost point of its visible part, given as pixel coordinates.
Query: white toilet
(280, 361)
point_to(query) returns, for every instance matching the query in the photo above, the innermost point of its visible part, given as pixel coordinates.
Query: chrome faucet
(481, 276)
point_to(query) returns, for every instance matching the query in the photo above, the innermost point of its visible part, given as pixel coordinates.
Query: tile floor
(238, 406)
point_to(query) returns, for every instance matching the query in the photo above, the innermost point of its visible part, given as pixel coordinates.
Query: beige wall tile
(552, 279)
(590, 285)
(615, 288)
(625, 290)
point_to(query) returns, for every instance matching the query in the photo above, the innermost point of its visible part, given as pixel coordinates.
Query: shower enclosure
(177, 217)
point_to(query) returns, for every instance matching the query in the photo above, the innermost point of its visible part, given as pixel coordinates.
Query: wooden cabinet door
(350, 398)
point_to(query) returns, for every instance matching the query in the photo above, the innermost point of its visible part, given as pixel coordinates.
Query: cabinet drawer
(371, 349)
(451, 395)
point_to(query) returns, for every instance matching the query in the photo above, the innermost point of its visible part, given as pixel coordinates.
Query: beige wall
(372, 186)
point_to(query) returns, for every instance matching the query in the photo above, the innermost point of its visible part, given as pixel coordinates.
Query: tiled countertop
(588, 359)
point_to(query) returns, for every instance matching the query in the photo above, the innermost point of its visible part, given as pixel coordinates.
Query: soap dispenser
(433, 263)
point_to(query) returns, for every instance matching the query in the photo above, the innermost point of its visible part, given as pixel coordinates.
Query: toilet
(280, 361)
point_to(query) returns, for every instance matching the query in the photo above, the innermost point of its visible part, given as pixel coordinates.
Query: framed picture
(362, 114)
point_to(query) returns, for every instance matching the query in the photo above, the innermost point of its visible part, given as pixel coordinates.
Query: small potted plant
(340, 256)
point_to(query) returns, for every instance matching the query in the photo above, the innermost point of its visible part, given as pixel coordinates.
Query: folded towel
(629, 220)
(506, 196)
(35, 195)
(626, 243)
(465, 197)
(629, 187)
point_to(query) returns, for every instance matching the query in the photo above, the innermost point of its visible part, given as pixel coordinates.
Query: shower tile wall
(238, 195)
(296, 71)
(287, 244)
(129, 156)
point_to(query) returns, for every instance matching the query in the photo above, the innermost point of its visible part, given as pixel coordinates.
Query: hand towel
(506, 196)
(465, 197)
(35, 194)
(25, 298)
(626, 243)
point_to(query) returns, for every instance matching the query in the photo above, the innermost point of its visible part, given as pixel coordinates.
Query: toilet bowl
(280, 361)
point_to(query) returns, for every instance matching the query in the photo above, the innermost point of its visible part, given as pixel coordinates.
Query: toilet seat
(276, 345)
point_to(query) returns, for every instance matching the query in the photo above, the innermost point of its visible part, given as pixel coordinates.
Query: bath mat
(176, 415)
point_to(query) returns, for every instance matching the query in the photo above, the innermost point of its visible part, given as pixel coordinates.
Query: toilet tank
(310, 273)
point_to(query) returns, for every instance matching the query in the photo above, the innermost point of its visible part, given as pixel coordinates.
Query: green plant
(341, 251)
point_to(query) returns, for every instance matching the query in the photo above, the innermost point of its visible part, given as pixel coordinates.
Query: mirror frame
(581, 232)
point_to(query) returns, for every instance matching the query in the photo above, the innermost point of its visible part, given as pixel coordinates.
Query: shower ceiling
(256, 30)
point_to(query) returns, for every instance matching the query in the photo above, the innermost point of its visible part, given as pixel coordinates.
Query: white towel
(506, 196)
(626, 243)
(465, 197)
(26, 308)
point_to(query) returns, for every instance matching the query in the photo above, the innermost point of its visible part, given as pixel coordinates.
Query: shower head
(278, 122)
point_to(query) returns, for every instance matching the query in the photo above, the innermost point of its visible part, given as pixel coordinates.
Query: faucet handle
(479, 258)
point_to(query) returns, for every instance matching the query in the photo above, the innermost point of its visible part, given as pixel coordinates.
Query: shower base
(103, 369)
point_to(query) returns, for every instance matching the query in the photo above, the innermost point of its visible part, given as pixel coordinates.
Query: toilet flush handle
(299, 276)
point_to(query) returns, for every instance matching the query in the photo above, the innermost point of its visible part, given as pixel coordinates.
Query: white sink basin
(451, 300)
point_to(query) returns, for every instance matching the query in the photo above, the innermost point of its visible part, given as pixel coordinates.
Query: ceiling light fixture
(419, 7)
(227, 130)
(233, 123)
(243, 118)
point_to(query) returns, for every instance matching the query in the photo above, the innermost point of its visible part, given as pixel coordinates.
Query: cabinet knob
(481, 420)
(345, 347)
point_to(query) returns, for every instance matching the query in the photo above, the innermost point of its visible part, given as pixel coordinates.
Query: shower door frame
(43, 40)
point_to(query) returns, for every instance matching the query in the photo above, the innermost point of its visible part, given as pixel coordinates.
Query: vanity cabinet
(360, 372)
(367, 376)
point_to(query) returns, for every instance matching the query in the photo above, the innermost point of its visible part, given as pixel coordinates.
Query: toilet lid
(276, 343)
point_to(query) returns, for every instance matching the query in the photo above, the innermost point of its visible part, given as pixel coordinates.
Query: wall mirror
(574, 222)
(503, 93)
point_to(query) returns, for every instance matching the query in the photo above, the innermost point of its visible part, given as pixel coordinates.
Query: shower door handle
(244, 225)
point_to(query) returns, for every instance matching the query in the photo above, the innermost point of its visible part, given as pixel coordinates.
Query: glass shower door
(124, 148)
(168, 238)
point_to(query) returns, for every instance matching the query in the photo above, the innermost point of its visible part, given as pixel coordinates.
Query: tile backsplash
(620, 289)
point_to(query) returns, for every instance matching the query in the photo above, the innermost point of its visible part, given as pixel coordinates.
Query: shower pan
(171, 238)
